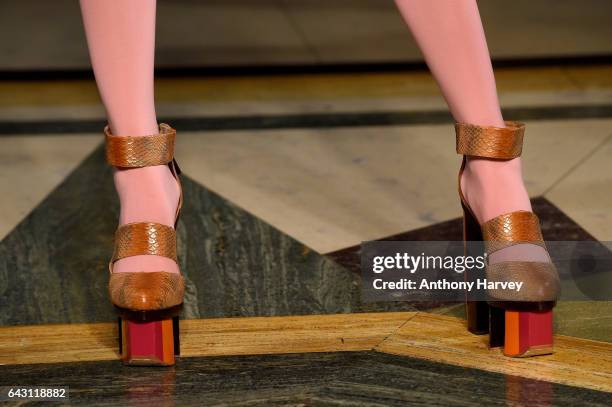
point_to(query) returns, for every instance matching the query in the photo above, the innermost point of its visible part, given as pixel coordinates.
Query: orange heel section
(150, 343)
(528, 333)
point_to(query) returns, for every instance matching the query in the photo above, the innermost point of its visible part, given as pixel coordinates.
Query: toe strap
(145, 238)
(510, 229)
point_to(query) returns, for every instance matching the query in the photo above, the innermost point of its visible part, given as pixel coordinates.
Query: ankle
(489, 173)
(148, 194)
(494, 187)
(485, 168)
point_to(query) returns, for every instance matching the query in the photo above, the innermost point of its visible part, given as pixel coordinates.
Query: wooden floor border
(576, 362)
(206, 337)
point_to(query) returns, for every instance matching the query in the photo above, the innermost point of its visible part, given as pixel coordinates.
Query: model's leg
(451, 37)
(121, 39)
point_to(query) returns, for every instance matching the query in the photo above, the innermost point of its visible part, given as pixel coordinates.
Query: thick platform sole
(520, 333)
(526, 333)
(149, 343)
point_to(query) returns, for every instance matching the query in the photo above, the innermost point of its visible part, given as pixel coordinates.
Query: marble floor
(311, 379)
(305, 32)
(284, 177)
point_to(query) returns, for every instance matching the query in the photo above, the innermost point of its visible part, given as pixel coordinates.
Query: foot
(495, 187)
(149, 194)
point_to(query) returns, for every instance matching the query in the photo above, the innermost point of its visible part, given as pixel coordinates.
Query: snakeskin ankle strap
(140, 151)
(490, 142)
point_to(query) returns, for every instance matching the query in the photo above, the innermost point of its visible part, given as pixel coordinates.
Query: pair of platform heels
(149, 302)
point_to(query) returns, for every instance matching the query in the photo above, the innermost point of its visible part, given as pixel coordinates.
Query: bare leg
(121, 39)
(451, 37)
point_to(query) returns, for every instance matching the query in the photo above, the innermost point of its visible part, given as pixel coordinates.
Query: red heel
(528, 333)
(150, 343)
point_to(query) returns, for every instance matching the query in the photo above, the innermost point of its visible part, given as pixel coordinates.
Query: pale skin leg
(450, 36)
(121, 40)
(121, 37)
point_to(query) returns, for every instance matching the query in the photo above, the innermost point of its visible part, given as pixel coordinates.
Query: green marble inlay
(54, 264)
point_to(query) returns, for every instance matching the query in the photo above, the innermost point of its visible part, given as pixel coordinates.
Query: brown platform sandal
(520, 322)
(148, 302)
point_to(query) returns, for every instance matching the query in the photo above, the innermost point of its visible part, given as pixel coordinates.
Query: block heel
(528, 333)
(477, 317)
(497, 327)
(149, 343)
